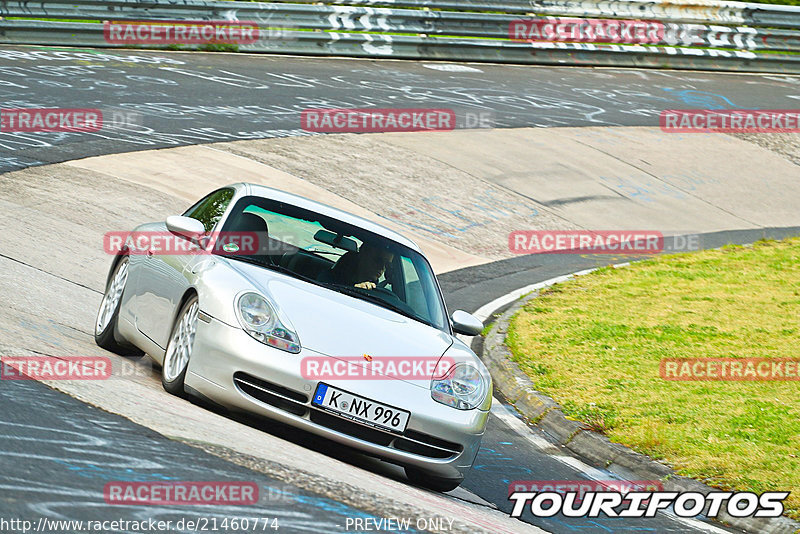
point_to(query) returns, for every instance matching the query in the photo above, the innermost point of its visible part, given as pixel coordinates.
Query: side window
(209, 210)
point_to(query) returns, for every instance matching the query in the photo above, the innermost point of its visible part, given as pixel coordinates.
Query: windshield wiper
(378, 300)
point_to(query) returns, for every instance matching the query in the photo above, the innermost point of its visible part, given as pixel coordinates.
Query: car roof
(324, 209)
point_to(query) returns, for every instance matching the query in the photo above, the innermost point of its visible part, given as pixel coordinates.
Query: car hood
(340, 326)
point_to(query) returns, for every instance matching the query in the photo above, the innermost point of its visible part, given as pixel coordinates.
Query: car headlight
(462, 388)
(259, 319)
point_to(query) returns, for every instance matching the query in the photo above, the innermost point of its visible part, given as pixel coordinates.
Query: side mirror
(185, 226)
(466, 323)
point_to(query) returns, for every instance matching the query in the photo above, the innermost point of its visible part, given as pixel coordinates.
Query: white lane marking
(450, 68)
(509, 417)
(505, 414)
(484, 311)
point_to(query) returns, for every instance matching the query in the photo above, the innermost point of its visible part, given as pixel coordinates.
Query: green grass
(594, 344)
(219, 47)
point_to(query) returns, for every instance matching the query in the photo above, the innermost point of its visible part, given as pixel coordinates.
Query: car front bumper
(234, 370)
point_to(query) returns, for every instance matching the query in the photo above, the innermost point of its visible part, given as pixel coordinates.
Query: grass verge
(594, 344)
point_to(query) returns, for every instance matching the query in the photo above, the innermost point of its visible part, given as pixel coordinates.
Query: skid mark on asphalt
(176, 96)
(50, 274)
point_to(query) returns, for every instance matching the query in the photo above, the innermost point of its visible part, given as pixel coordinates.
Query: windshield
(338, 256)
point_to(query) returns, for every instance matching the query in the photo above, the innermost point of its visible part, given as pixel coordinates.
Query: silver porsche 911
(309, 315)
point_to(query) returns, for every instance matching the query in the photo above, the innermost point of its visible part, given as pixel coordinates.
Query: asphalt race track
(178, 98)
(79, 447)
(56, 452)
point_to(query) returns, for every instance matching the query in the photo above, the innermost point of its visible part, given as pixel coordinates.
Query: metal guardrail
(695, 34)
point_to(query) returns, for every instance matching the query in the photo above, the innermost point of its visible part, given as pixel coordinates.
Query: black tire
(108, 337)
(421, 478)
(175, 385)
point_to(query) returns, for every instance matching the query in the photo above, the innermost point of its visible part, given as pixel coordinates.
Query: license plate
(359, 409)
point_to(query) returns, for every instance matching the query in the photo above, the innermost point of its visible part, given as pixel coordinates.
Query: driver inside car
(362, 269)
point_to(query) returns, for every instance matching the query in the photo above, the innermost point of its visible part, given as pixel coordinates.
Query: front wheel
(421, 478)
(105, 325)
(179, 348)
